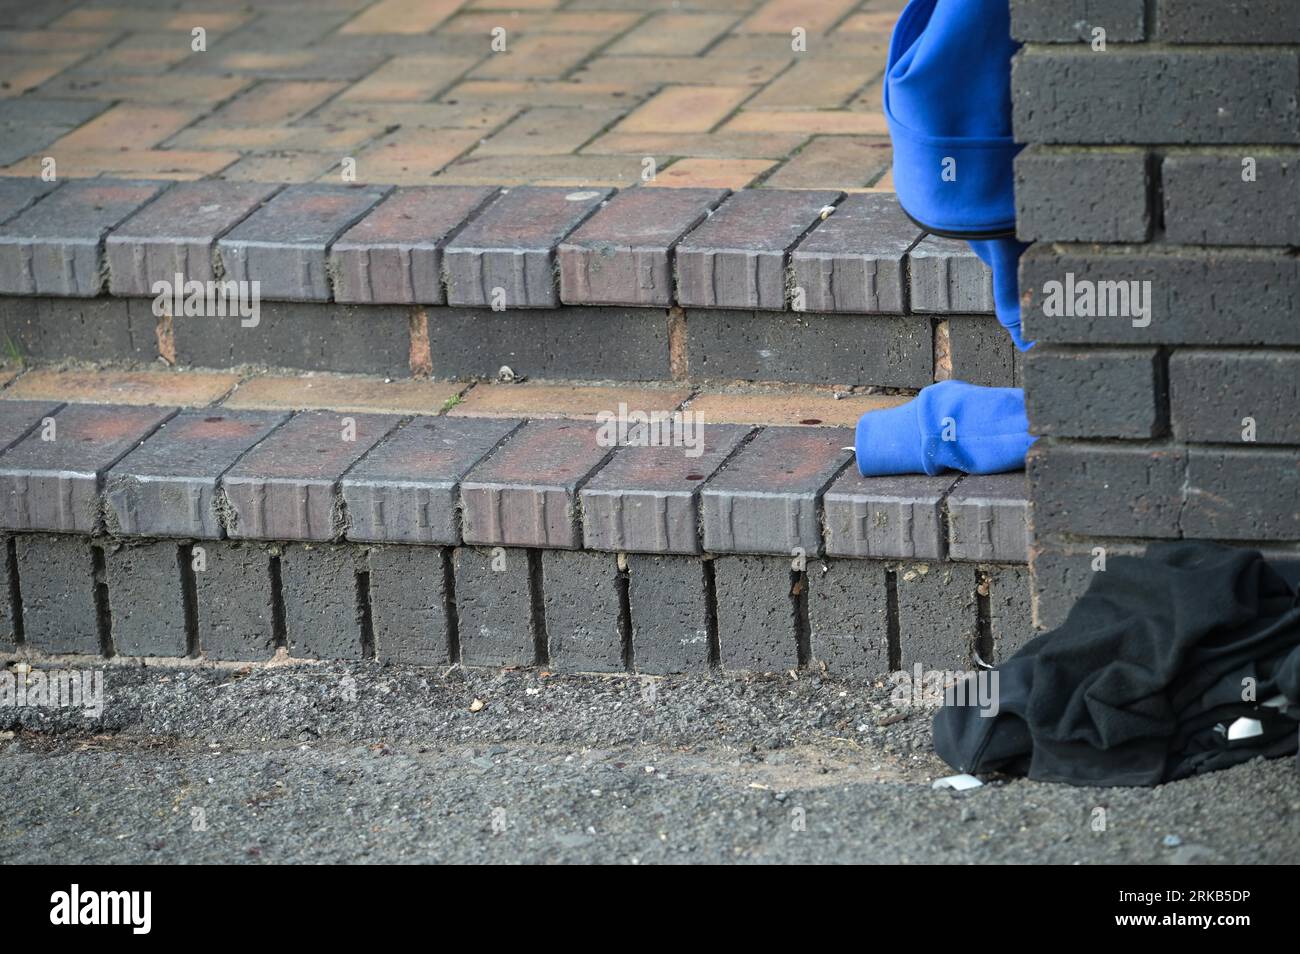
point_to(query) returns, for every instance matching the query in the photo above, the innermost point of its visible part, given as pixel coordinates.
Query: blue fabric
(947, 99)
(1002, 256)
(951, 425)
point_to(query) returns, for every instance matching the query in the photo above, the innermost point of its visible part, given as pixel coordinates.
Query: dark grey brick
(1062, 572)
(938, 615)
(283, 244)
(1207, 201)
(768, 497)
(808, 348)
(1135, 95)
(322, 609)
(307, 337)
(1211, 393)
(756, 619)
(580, 595)
(1111, 392)
(494, 606)
(86, 329)
(854, 260)
(146, 599)
(409, 605)
(176, 234)
(1010, 611)
(406, 490)
(57, 579)
(975, 349)
(573, 343)
(1227, 21)
(848, 617)
(526, 493)
(1104, 489)
(647, 498)
(9, 624)
(285, 488)
(1073, 21)
(56, 246)
(988, 519)
(1082, 195)
(885, 516)
(622, 254)
(235, 600)
(1242, 494)
(17, 195)
(511, 247)
(737, 257)
(19, 418)
(50, 480)
(670, 613)
(1219, 297)
(948, 277)
(394, 254)
(167, 487)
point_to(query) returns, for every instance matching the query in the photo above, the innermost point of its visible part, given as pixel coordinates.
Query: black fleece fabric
(1139, 684)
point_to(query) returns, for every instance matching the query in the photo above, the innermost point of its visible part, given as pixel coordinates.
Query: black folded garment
(1147, 676)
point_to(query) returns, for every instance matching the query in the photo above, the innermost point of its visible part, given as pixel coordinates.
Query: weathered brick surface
(1220, 297)
(647, 498)
(854, 260)
(51, 479)
(948, 277)
(146, 599)
(55, 247)
(9, 622)
(1229, 490)
(98, 329)
(1010, 611)
(1106, 490)
(285, 487)
(768, 497)
(1107, 392)
(1251, 199)
(234, 600)
(622, 255)
(526, 494)
(1083, 195)
(1073, 21)
(575, 343)
(16, 195)
(988, 519)
(409, 605)
(848, 617)
(977, 350)
(1061, 573)
(306, 337)
(394, 254)
(756, 619)
(283, 245)
(322, 601)
(1213, 393)
(406, 490)
(494, 606)
(581, 602)
(19, 418)
(1132, 95)
(511, 247)
(808, 348)
(886, 516)
(670, 610)
(737, 257)
(176, 233)
(57, 576)
(1237, 21)
(167, 487)
(937, 615)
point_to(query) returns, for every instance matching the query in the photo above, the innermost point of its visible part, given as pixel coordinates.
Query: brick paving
(698, 93)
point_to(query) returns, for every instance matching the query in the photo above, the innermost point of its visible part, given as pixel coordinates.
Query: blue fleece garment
(1002, 256)
(951, 425)
(947, 98)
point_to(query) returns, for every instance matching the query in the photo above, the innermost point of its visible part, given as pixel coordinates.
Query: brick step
(645, 284)
(485, 538)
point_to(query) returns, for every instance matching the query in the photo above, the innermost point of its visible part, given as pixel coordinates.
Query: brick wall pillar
(1161, 185)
